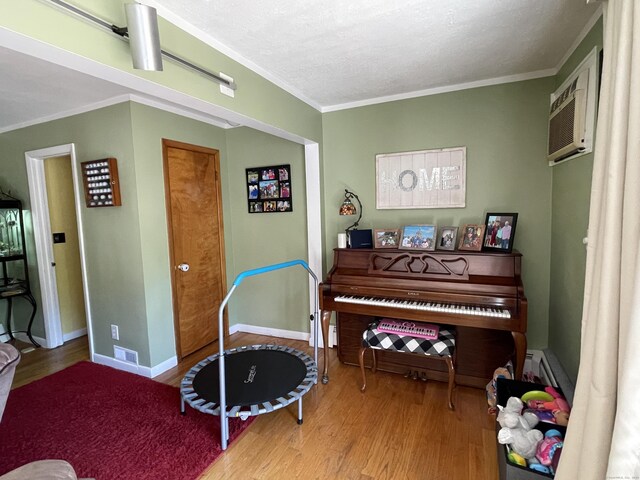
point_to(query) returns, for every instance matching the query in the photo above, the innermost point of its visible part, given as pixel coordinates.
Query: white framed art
(422, 179)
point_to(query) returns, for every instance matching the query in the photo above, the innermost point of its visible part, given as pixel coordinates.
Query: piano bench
(442, 348)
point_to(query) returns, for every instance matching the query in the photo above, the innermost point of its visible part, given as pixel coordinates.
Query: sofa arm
(42, 470)
(9, 358)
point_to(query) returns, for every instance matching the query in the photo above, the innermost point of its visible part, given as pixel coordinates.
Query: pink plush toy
(550, 448)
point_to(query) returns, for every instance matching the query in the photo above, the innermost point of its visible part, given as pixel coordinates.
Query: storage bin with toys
(531, 425)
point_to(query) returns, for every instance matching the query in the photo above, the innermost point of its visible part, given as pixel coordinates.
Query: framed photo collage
(269, 189)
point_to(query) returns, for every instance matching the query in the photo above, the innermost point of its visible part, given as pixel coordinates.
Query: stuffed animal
(517, 430)
(549, 400)
(550, 448)
(492, 397)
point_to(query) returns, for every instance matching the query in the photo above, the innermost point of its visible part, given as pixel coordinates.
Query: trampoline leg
(300, 411)
(224, 431)
(183, 410)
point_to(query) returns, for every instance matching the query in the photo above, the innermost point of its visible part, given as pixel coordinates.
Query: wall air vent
(126, 355)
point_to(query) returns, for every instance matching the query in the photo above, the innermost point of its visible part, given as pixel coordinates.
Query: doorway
(35, 161)
(196, 243)
(66, 249)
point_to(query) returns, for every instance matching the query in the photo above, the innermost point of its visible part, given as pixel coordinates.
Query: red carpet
(109, 424)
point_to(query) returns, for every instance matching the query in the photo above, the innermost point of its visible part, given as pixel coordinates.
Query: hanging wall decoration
(421, 179)
(269, 189)
(101, 183)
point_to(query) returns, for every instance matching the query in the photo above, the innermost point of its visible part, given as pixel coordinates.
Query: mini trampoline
(254, 379)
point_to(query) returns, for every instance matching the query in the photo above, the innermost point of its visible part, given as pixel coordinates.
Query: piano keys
(426, 306)
(479, 293)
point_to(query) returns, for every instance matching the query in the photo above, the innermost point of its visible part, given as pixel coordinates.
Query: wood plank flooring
(398, 429)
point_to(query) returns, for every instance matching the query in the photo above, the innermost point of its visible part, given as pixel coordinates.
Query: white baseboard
(75, 334)
(162, 367)
(280, 333)
(271, 332)
(333, 336)
(24, 338)
(141, 370)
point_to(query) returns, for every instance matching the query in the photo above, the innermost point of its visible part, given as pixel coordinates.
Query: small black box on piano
(360, 239)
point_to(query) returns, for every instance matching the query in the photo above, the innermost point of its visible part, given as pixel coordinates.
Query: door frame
(44, 244)
(166, 143)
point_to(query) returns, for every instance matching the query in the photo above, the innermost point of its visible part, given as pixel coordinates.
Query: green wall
(127, 247)
(504, 128)
(112, 235)
(278, 299)
(255, 97)
(149, 127)
(570, 219)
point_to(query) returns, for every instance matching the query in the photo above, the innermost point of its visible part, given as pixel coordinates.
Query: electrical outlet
(115, 334)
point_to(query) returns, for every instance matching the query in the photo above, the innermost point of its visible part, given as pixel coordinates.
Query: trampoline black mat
(252, 377)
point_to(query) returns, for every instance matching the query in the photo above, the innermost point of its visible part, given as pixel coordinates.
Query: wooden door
(196, 242)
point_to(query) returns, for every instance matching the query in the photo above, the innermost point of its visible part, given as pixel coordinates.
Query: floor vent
(126, 355)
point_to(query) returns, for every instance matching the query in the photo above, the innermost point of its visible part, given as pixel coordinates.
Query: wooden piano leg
(520, 341)
(326, 317)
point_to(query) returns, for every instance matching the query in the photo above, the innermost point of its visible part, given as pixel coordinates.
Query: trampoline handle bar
(270, 268)
(224, 416)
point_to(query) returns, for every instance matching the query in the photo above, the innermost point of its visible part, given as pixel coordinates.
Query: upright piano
(479, 293)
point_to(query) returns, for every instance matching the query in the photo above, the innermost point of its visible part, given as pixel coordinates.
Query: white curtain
(603, 437)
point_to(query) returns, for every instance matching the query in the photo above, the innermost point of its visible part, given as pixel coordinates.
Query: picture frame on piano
(471, 237)
(500, 230)
(419, 237)
(447, 237)
(386, 237)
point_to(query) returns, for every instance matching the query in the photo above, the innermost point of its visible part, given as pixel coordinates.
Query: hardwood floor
(398, 429)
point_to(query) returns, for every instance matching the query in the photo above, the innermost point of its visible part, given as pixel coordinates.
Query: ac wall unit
(567, 120)
(572, 113)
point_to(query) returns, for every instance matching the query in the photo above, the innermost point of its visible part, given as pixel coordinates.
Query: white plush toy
(517, 430)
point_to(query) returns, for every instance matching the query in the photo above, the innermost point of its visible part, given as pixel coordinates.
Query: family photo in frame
(500, 232)
(471, 237)
(269, 189)
(419, 237)
(386, 238)
(447, 238)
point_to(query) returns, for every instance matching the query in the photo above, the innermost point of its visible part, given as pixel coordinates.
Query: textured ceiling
(336, 51)
(333, 53)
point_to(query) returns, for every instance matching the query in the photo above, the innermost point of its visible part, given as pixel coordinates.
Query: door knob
(183, 267)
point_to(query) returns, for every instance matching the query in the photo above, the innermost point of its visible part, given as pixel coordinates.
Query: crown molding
(583, 33)
(445, 89)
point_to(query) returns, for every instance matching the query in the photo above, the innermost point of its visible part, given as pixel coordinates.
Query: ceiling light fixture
(144, 39)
